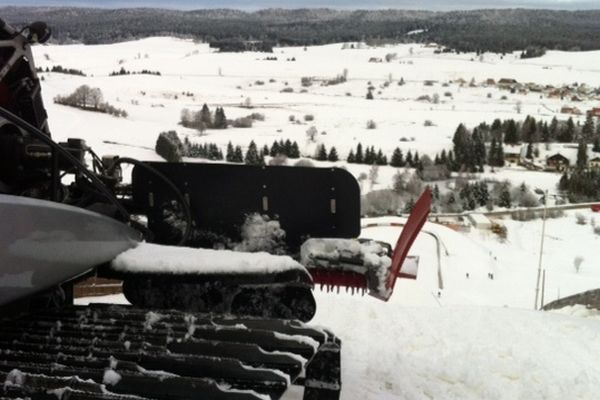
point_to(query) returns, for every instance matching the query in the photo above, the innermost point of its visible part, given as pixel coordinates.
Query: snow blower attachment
(366, 265)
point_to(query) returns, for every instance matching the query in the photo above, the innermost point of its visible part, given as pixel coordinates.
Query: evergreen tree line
(399, 160)
(172, 149)
(471, 152)
(475, 30)
(209, 151)
(367, 156)
(288, 148)
(61, 70)
(583, 183)
(123, 71)
(323, 155)
(532, 131)
(204, 119)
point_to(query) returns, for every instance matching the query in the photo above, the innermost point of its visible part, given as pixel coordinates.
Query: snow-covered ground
(478, 337)
(341, 112)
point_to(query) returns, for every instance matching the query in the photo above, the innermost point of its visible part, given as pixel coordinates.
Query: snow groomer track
(120, 352)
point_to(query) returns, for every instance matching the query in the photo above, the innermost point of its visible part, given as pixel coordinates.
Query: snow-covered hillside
(465, 329)
(341, 112)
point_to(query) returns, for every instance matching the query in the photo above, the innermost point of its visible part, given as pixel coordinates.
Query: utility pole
(539, 271)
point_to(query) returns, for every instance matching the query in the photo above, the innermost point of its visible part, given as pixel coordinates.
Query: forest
(478, 30)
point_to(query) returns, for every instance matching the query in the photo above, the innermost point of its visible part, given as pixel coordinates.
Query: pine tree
(493, 152)
(369, 155)
(294, 151)
(511, 135)
(369, 95)
(443, 157)
(483, 194)
(275, 150)
(596, 148)
(587, 131)
(409, 159)
(321, 153)
(582, 158)
(409, 206)
(230, 154)
(496, 128)
(504, 200)
(553, 129)
(462, 147)
(451, 162)
(500, 155)
(567, 132)
(528, 129)
(287, 147)
(436, 192)
(397, 158)
(220, 121)
(350, 159)
(265, 151)
(545, 133)
(238, 155)
(333, 155)
(380, 159)
(206, 116)
(358, 158)
(478, 158)
(252, 156)
(529, 153)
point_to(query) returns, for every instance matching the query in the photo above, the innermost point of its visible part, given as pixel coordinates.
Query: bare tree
(311, 133)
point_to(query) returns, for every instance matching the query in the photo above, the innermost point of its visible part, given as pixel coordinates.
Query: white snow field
(465, 328)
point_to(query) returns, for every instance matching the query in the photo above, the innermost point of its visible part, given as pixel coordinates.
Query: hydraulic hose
(46, 139)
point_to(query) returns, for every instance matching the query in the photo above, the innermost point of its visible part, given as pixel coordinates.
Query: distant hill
(478, 30)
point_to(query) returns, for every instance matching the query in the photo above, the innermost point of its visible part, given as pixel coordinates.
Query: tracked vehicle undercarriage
(198, 328)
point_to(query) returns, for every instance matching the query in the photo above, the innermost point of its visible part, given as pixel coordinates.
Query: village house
(594, 112)
(507, 83)
(570, 110)
(557, 162)
(594, 162)
(512, 154)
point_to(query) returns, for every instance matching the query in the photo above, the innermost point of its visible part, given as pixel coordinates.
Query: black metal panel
(308, 202)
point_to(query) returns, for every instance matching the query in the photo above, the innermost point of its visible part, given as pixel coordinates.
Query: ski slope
(475, 338)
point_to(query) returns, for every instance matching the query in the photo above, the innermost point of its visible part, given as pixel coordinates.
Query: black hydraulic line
(180, 197)
(42, 136)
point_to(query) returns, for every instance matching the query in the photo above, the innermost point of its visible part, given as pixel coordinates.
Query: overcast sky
(346, 4)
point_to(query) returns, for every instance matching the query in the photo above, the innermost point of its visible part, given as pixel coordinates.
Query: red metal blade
(413, 226)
